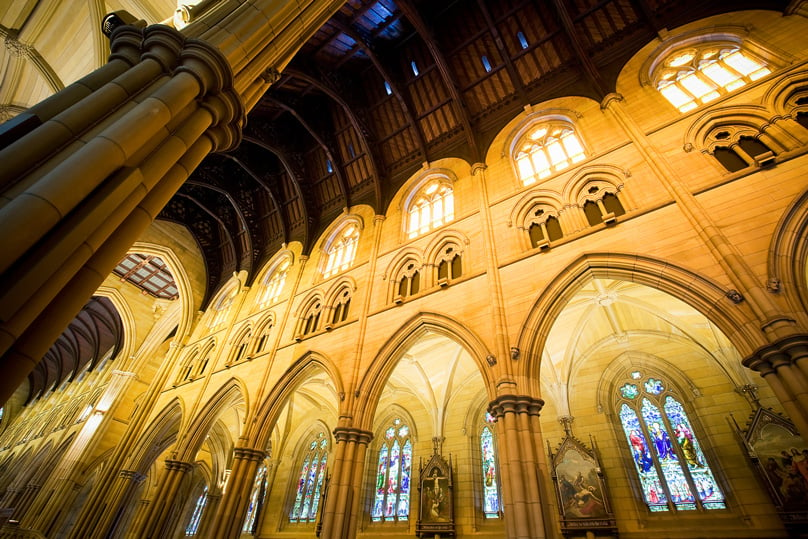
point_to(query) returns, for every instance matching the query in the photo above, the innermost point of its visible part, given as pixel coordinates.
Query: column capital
(768, 358)
(249, 453)
(517, 404)
(132, 475)
(354, 435)
(478, 167)
(179, 465)
(609, 99)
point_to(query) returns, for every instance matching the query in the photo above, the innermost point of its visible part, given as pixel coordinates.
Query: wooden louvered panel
(604, 20)
(440, 121)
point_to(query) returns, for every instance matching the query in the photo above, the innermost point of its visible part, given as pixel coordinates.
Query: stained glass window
(256, 500)
(342, 250)
(392, 495)
(489, 469)
(691, 77)
(430, 208)
(547, 149)
(310, 480)
(193, 524)
(673, 472)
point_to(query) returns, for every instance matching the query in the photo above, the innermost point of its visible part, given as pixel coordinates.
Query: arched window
(310, 480)
(273, 285)
(601, 205)
(449, 264)
(341, 250)
(310, 322)
(431, 207)
(673, 471)
(256, 500)
(491, 500)
(196, 516)
(549, 147)
(393, 473)
(222, 308)
(240, 349)
(409, 282)
(738, 146)
(694, 75)
(339, 311)
(543, 227)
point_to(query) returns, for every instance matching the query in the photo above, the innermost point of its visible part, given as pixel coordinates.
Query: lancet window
(490, 477)
(339, 311)
(310, 480)
(391, 500)
(409, 282)
(256, 501)
(431, 207)
(673, 471)
(341, 250)
(196, 516)
(691, 76)
(273, 286)
(549, 147)
(450, 264)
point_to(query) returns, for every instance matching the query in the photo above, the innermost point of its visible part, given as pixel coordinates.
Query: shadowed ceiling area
(95, 333)
(385, 86)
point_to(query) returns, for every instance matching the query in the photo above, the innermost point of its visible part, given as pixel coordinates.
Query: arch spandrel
(229, 395)
(375, 378)
(788, 258)
(707, 298)
(259, 430)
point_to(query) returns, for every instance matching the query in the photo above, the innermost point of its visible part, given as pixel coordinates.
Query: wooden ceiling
(386, 85)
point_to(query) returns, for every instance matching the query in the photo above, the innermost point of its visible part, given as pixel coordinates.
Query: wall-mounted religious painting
(581, 490)
(436, 510)
(780, 456)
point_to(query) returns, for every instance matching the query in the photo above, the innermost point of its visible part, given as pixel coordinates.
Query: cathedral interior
(393, 268)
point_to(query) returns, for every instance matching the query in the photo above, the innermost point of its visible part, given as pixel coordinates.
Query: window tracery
(339, 309)
(691, 76)
(449, 263)
(222, 308)
(341, 250)
(673, 471)
(257, 495)
(543, 226)
(409, 281)
(273, 285)
(393, 473)
(601, 204)
(430, 207)
(310, 480)
(310, 321)
(736, 147)
(549, 147)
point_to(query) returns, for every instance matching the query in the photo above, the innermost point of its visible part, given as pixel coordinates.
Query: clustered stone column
(341, 513)
(233, 506)
(520, 458)
(158, 520)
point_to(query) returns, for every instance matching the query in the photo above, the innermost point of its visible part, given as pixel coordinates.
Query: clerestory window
(341, 250)
(431, 207)
(548, 148)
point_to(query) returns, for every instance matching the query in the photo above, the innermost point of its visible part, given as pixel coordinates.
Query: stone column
(520, 455)
(233, 506)
(342, 506)
(71, 184)
(782, 364)
(158, 517)
(210, 510)
(24, 501)
(121, 496)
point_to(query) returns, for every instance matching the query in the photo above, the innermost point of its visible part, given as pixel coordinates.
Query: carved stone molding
(179, 465)
(249, 453)
(786, 351)
(352, 435)
(517, 404)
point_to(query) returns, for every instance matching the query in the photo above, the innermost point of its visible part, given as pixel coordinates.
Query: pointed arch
(610, 177)
(735, 321)
(375, 378)
(268, 411)
(232, 392)
(788, 256)
(161, 433)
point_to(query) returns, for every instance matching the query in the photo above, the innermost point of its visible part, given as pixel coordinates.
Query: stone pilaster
(233, 505)
(342, 505)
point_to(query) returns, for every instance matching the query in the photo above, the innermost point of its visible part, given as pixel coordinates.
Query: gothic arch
(372, 383)
(160, 434)
(610, 176)
(229, 394)
(268, 411)
(788, 256)
(735, 321)
(531, 199)
(755, 120)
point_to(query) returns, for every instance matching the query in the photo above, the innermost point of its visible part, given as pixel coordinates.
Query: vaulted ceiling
(386, 85)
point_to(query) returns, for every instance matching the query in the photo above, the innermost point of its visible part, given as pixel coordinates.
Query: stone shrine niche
(581, 490)
(436, 507)
(780, 457)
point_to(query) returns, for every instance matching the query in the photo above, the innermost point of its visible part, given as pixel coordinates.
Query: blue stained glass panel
(392, 481)
(381, 481)
(706, 487)
(255, 500)
(490, 487)
(654, 387)
(406, 472)
(629, 391)
(193, 525)
(653, 492)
